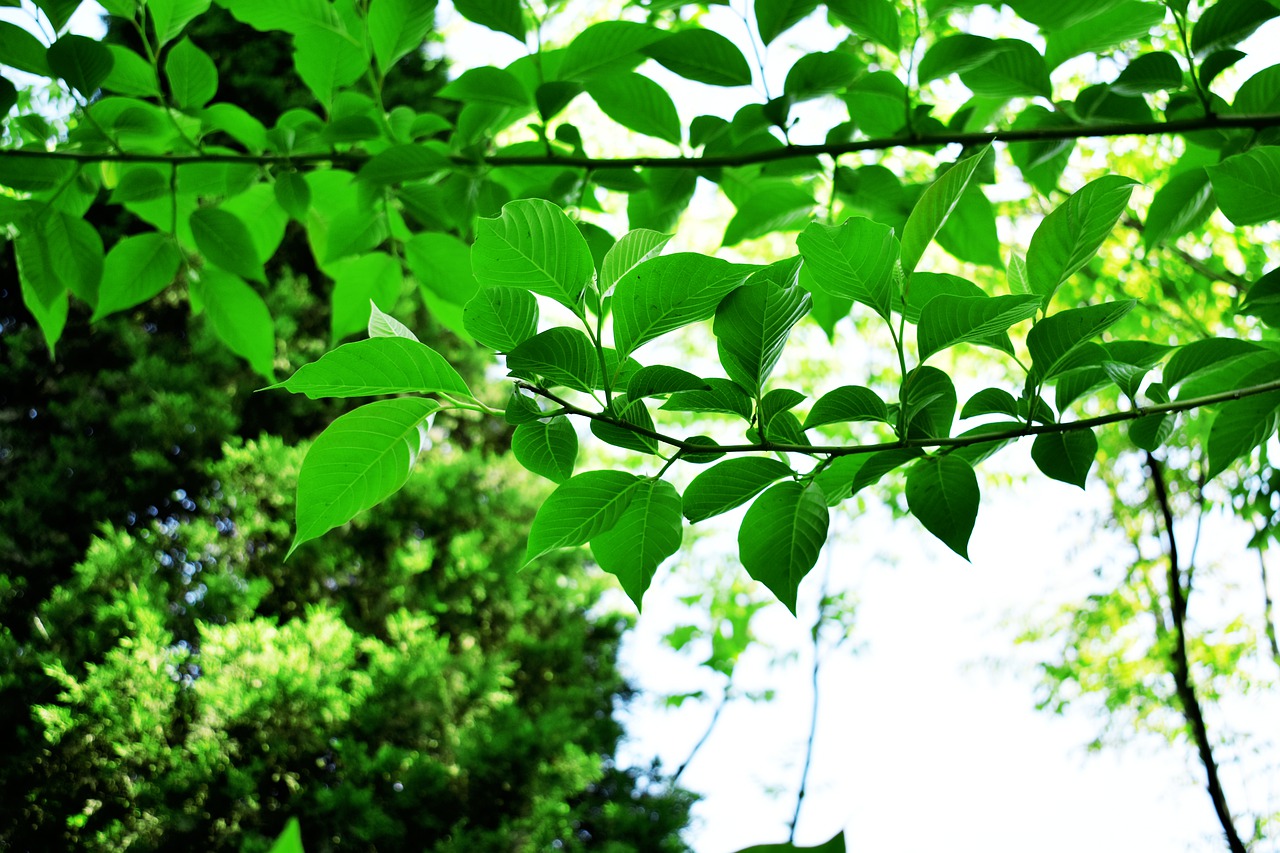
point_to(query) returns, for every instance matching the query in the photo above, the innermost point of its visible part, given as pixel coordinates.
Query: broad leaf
(856, 260)
(772, 208)
(730, 484)
(1101, 33)
(847, 403)
(942, 492)
(702, 55)
(782, 535)
(1247, 186)
(1199, 357)
(21, 50)
(659, 379)
(668, 292)
(637, 103)
(136, 269)
(225, 242)
(752, 325)
(392, 365)
(877, 20)
(580, 509)
(970, 232)
(774, 17)
(1180, 206)
(1071, 235)
(949, 320)
(1066, 456)
(634, 248)
(1226, 23)
(1052, 340)
(548, 448)
(383, 325)
(81, 61)
(192, 76)
(607, 47)
(559, 356)
(1239, 427)
(398, 27)
(503, 16)
(489, 85)
(930, 400)
(442, 263)
(725, 397)
(648, 532)
(933, 208)
(370, 280)
(240, 319)
(501, 318)
(533, 246)
(401, 163)
(990, 401)
(360, 460)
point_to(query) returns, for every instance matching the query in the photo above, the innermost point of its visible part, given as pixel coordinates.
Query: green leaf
(782, 535)
(377, 366)
(752, 325)
(774, 17)
(1263, 299)
(501, 318)
(1012, 69)
(856, 260)
(1229, 22)
(1260, 94)
(1066, 456)
(942, 492)
(725, 397)
(1051, 15)
(816, 74)
(1103, 32)
(874, 19)
(240, 319)
(8, 97)
(503, 16)
(933, 208)
(1240, 426)
(970, 231)
(990, 401)
(730, 484)
(225, 242)
(633, 249)
(846, 403)
(374, 279)
(192, 76)
(631, 413)
(398, 27)
(876, 102)
(534, 246)
(606, 48)
(1070, 236)
(442, 263)
(1180, 206)
(21, 50)
(1053, 340)
(402, 163)
(383, 325)
(290, 840)
(930, 399)
(649, 531)
(948, 320)
(33, 175)
(668, 292)
(548, 448)
(833, 845)
(659, 379)
(702, 55)
(560, 356)
(81, 61)
(130, 74)
(579, 510)
(1150, 72)
(136, 269)
(360, 460)
(637, 103)
(1247, 185)
(953, 54)
(328, 58)
(59, 253)
(772, 208)
(168, 17)
(293, 195)
(488, 85)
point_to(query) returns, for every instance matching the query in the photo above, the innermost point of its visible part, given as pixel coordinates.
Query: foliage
(500, 210)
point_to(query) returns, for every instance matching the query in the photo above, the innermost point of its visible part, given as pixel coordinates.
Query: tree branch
(356, 159)
(1191, 710)
(1021, 431)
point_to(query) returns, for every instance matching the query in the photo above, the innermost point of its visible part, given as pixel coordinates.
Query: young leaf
(225, 242)
(782, 535)
(1247, 185)
(933, 208)
(1070, 236)
(855, 261)
(192, 76)
(560, 356)
(648, 532)
(136, 269)
(360, 460)
(1180, 206)
(942, 492)
(501, 318)
(579, 510)
(548, 448)
(240, 319)
(1239, 427)
(637, 103)
(367, 368)
(948, 320)
(385, 326)
(702, 55)
(659, 379)
(668, 292)
(533, 246)
(1052, 340)
(847, 403)
(730, 484)
(752, 325)
(81, 61)
(1066, 456)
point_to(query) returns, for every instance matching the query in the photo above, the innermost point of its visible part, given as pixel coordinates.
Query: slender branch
(355, 159)
(816, 634)
(1182, 668)
(1268, 619)
(715, 718)
(959, 441)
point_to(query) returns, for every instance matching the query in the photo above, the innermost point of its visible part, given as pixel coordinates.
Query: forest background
(427, 662)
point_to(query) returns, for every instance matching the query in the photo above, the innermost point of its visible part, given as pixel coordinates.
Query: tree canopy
(1040, 223)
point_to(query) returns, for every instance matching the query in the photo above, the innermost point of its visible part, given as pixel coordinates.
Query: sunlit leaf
(1070, 236)
(1247, 186)
(856, 260)
(942, 492)
(580, 509)
(374, 366)
(533, 246)
(648, 532)
(668, 292)
(501, 318)
(548, 447)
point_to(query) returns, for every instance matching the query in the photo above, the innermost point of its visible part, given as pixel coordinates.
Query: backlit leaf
(648, 532)
(81, 61)
(949, 320)
(942, 492)
(136, 269)
(580, 509)
(730, 484)
(377, 366)
(548, 447)
(1180, 206)
(668, 292)
(192, 76)
(1247, 185)
(240, 319)
(501, 318)
(847, 403)
(752, 325)
(1066, 456)
(782, 535)
(855, 260)
(933, 208)
(637, 103)
(534, 246)
(1052, 340)
(702, 55)
(1070, 236)
(224, 240)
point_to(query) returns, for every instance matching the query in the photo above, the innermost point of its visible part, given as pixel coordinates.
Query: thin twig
(1181, 666)
(1269, 622)
(715, 718)
(816, 635)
